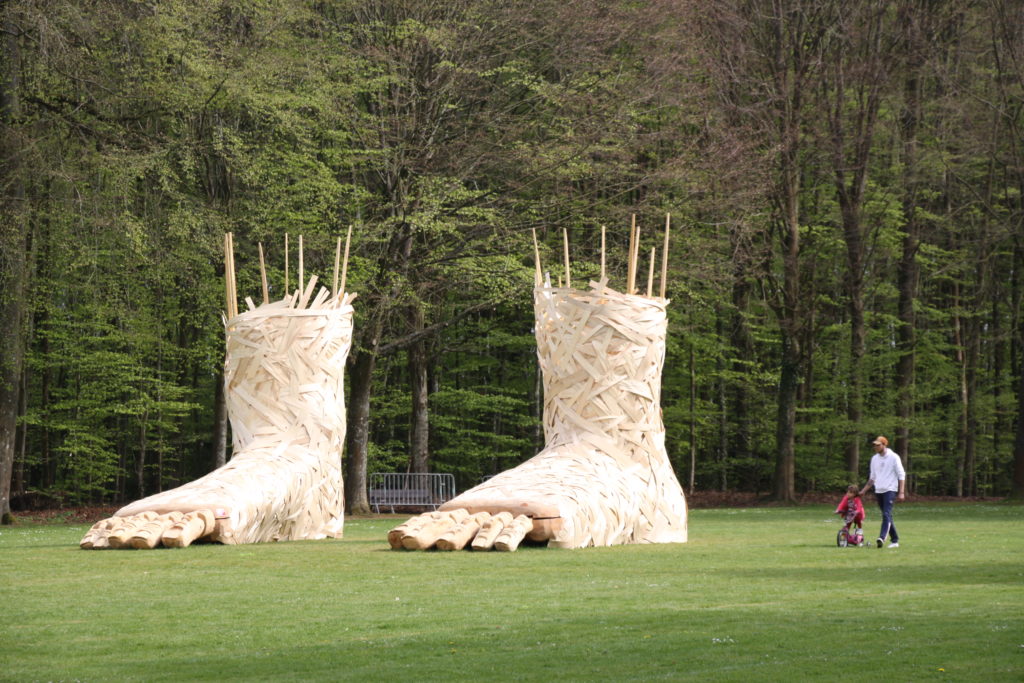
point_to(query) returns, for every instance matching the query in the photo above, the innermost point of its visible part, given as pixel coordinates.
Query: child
(852, 509)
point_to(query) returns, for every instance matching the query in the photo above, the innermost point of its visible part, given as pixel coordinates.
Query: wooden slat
(664, 255)
(263, 276)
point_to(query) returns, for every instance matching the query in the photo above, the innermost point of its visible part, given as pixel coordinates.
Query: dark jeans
(885, 503)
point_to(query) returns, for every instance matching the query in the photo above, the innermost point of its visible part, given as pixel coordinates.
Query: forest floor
(697, 500)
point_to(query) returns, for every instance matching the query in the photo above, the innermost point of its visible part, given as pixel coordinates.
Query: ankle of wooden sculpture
(283, 383)
(604, 477)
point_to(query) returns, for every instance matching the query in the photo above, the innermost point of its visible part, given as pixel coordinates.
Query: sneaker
(880, 542)
(894, 544)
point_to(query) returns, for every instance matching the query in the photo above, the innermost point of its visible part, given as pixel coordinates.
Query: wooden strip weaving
(604, 473)
(284, 387)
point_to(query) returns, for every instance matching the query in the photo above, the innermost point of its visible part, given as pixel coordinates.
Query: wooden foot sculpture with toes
(604, 477)
(283, 381)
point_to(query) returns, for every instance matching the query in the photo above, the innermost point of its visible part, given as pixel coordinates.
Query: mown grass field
(757, 594)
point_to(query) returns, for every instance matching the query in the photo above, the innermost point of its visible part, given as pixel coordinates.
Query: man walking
(889, 479)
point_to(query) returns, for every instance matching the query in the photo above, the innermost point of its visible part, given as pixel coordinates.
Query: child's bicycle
(850, 534)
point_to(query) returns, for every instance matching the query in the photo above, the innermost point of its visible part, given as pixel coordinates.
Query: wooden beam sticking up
(227, 277)
(650, 272)
(634, 259)
(602, 253)
(227, 272)
(234, 279)
(664, 255)
(538, 277)
(231, 300)
(344, 264)
(565, 244)
(263, 276)
(302, 270)
(337, 263)
(286, 264)
(629, 256)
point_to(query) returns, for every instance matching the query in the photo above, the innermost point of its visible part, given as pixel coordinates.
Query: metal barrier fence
(398, 489)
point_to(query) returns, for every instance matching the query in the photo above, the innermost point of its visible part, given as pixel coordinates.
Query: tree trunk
(971, 352)
(723, 406)
(392, 269)
(11, 360)
(220, 424)
(961, 361)
(140, 464)
(743, 346)
(13, 276)
(1017, 486)
(850, 201)
(1018, 443)
(419, 427)
(358, 435)
(693, 418)
(855, 407)
(790, 318)
(18, 483)
(785, 433)
(907, 271)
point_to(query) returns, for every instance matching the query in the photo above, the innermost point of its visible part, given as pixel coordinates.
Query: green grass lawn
(757, 594)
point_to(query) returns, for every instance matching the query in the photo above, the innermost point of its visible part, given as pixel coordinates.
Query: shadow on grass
(984, 572)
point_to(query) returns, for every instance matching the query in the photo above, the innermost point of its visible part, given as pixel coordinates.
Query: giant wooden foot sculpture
(604, 477)
(283, 383)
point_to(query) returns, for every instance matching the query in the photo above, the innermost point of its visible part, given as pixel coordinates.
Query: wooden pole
(538, 277)
(263, 276)
(629, 256)
(565, 244)
(286, 264)
(302, 270)
(344, 264)
(337, 263)
(664, 255)
(650, 272)
(634, 259)
(602, 253)
(234, 278)
(227, 277)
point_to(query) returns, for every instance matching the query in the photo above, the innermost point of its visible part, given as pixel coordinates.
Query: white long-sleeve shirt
(887, 471)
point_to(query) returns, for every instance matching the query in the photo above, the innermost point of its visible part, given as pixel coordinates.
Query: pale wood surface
(462, 533)
(513, 534)
(490, 529)
(424, 536)
(604, 475)
(191, 526)
(284, 387)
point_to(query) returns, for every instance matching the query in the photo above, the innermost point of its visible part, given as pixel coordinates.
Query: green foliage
(444, 132)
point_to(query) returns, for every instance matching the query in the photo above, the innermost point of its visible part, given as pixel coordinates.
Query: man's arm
(901, 475)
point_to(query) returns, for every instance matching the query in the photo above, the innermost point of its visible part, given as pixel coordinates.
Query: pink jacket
(858, 507)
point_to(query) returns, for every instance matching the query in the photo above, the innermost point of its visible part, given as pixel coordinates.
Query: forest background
(845, 181)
